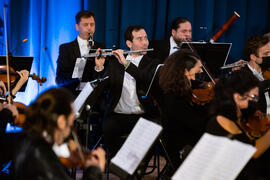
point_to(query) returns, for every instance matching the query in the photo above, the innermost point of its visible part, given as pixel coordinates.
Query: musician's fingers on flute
(100, 60)
(119, 54)
(241, 61)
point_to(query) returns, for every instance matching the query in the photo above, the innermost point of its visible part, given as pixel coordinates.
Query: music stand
(214, 55)
(19, 63)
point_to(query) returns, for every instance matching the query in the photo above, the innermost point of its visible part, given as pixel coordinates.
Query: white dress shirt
(129, 102)
(173, 46)
(266, 94)
(84, 46)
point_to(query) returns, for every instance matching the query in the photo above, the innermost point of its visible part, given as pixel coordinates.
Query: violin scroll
(37, 78)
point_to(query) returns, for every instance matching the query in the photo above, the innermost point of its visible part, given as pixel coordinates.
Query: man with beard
(181, 31)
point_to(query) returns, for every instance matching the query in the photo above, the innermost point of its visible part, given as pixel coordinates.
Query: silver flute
(234, 65)
(111, 53)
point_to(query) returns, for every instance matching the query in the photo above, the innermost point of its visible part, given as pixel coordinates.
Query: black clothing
(183, 123)
(68, 53)
(5, 117)
(161, 49)
(264, 87)
(113, 123)
(35, 159)
(214, 128)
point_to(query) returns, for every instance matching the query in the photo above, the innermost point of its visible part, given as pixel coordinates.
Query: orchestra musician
(233, 97)
(49, 120)
(255, 48)
(183, 120)
(128, 80)
(181, 31)
(69, 52)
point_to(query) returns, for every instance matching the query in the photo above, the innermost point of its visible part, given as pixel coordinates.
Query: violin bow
(7, 55)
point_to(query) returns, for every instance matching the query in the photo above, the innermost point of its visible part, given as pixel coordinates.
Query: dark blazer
(142, 74)
(68, 53)
(161, 49)
(264, 87)
(35, 159)
(183, 124)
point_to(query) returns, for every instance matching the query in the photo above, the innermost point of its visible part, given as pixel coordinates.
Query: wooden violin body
(266, 74)
(14, 75)
(204, 95)
(256, 125)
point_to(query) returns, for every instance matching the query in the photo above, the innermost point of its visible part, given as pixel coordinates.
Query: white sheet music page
(81, 98)
(79, 68)
(137, 145)
(215, 157)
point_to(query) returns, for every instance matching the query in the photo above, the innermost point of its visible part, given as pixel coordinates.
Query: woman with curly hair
(184, 121)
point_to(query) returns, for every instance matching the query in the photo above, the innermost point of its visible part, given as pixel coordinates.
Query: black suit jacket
(161, 49)
(68, 53)
(264, 87)
(142, 74)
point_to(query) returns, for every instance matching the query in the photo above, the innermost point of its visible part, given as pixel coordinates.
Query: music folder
(214, 55)
(133, 151)
(215, 157)
(19, 63)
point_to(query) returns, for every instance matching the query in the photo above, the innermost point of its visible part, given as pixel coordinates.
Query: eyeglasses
(253, 97)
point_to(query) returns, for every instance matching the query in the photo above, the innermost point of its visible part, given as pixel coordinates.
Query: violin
(266, 74)
(21, 110)
(14, 75)
(76, 156)
(256, 125)
(204, 95)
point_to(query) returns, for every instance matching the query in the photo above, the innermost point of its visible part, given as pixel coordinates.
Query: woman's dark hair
(240, 81)
(42, 114)
(172, 77)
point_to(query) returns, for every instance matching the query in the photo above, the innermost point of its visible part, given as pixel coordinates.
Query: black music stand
(214, 55)
(19, 63)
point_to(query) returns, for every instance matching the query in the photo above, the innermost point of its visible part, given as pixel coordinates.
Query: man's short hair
(253, 44)
(83, 14)
(177, 21)
(128, 33)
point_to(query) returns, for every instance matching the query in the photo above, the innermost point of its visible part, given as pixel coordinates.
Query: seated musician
(49, 120)
(234, 97)
(184, 121)
(9, 113)
(127, 80)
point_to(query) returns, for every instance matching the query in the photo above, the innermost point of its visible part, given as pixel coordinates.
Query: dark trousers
(116, 129)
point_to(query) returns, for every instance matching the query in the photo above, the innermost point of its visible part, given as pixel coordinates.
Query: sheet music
(137, 145)
(79, 68)
(215, 157)
(79, 101)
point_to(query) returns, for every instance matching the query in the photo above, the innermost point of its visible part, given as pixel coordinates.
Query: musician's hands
(24, 74)
(3, 89)
(99, 60)
(13, 109)
(119, 54)
(241, 61)
(97, 159)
